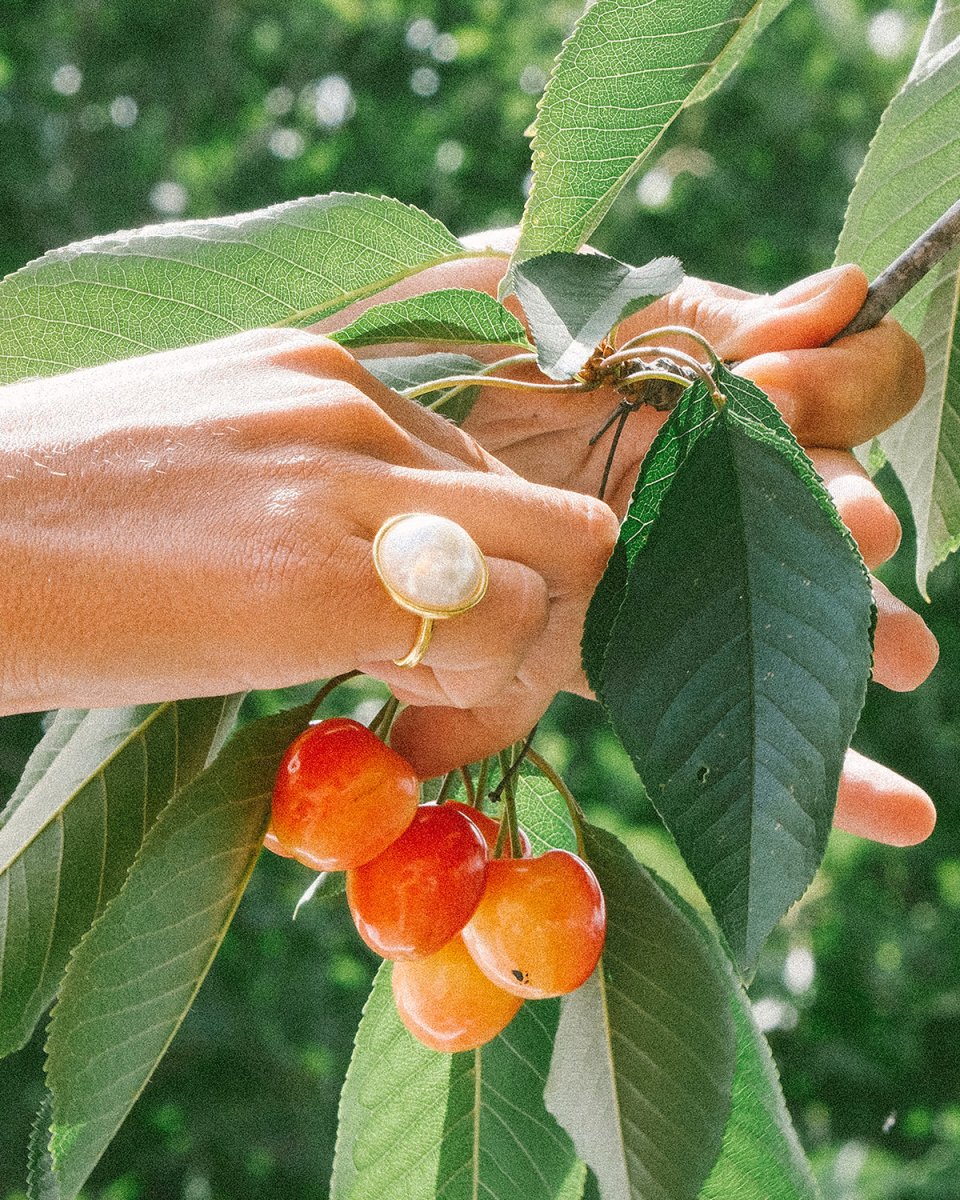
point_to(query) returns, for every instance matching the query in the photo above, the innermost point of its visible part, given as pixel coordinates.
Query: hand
(200, 521)
(834, 398)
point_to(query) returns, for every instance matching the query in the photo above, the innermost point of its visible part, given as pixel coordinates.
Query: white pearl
(431, 562)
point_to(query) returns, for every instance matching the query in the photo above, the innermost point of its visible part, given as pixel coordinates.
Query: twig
(905, 272)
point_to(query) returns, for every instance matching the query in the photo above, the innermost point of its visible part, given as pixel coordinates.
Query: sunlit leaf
(185, 282)
(910, 177)
(644, 1057)
(456, 316)
(418, 1124)
(623, 75)
(572, 301)
(91, 790)
(737, 664)
(133, 978)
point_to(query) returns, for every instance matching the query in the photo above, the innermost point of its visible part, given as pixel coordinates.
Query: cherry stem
(520, 385)
(468, 786)
(331, 685)
(511, 769)
(672, 331)
(573, 808)
(508, 821)
(624, 409)
(446, 787)
(677, 355)
(482, 780)
(381, 723)
(462, 387)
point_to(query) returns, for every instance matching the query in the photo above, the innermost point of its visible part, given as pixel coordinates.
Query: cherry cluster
(472, 935)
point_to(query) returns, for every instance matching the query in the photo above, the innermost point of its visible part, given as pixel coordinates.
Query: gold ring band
(432, 567)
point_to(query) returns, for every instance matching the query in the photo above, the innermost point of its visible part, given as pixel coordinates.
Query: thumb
(805, 315)
(740, 325)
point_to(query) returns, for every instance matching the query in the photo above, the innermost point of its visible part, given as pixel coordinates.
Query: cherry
(272, 842)
(341, 796)
(488, 826)
(539, 929)
(448, 1003)
(421, 891)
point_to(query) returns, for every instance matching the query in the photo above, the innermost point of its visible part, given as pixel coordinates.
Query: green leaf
(572, 301)
(41, 1182)
(133, 978)
(761, 1157)
(418, 1124)
(911, 175)
(542, 812)
(455, 315)
(756, 21)
(624, 74)
(91, 790)
(187, 281)
(742, 652)
(644, 1056)
(410, 371)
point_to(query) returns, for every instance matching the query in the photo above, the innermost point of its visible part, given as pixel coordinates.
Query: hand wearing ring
(432, 567)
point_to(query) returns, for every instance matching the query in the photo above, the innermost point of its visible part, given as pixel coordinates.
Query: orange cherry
(421, 891)
(341, 796)
(272, 843)
(448, 1003)
(539, 929)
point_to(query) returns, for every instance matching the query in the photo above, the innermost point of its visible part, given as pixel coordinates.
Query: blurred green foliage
(115, 113)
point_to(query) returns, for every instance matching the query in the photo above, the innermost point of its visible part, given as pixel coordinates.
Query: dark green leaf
(693, 417)
(910, 177)
(742, 656)
(572, 301)
(418, 1124)
(623, 75)
(132, 979)
(644, 1055)
(91, 790)
(187, 281)
(455, 315)
(411, 371)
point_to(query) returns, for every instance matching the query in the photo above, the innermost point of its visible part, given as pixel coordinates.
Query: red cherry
(447, 1003)
(421, 891)
(341, 796)
(488, 826)
(539, 929)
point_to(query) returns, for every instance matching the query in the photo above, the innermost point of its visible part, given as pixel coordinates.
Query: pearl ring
(431, 567)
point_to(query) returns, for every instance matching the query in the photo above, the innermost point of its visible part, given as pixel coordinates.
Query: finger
(739, 324)
(877, 803)
(492, 639)
(863, 510)
(904, 649)
(311, 355)
(843, 395)
(565, 536)
(435, 740)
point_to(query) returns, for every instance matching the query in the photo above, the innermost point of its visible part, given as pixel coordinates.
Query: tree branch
(905, 272)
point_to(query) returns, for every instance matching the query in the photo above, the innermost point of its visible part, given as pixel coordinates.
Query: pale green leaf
(911, 175)
(185, 282)
(644, 1055)
(737, 664)
(133, 978)
(41, 1184)
(623, 75)
(542, 812)
(458, 316)
(572, 301)
(92, 788)
(421, 1125)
